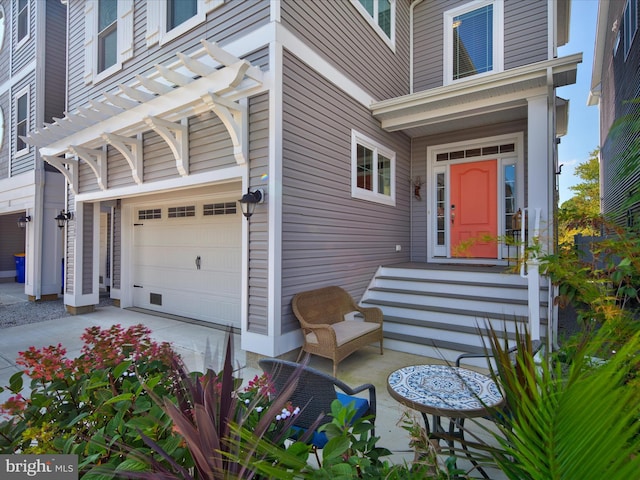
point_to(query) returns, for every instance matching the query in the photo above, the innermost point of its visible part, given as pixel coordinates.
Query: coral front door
(474, 209)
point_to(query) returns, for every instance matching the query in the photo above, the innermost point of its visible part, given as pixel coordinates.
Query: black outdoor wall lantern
(23, 220)
(249, 201)
(63, 218)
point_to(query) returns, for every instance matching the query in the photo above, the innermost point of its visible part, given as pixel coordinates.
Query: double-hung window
(373, 170)
(22, 121)
(381, 15)
(169, 19)
(107, 34)
(108, 39)
(473, 40)
(22, 20)
(629, 24)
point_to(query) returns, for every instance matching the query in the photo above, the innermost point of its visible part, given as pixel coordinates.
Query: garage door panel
(164, 265)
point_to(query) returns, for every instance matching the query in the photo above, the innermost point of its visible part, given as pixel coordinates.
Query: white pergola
(160, 101)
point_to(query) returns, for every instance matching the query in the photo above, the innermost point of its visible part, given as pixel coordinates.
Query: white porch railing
(531, 273)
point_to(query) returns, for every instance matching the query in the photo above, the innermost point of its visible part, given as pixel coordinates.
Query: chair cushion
(347, 331)
(319, 439)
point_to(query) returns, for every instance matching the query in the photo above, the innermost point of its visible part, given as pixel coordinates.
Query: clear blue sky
(583, 133)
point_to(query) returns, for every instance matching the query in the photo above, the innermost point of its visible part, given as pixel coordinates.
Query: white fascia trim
(226, 174)
(292, 43)
(598, 53)
(274, 275)
(18, 77)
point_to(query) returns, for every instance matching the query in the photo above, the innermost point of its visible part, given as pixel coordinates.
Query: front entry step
(442, 313)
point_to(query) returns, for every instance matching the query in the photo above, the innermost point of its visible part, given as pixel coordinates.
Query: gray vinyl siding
(210, 145)
(23, 163)
(118, 170)
(258, 226)
(525, 37)
(159, 162)
(224, 24)
(70, 247)
(328, 237)
(55, 61)
(26, 53)
(419, 147)
(116, 272)
(340, 34)
(620, 83)
(87, 249)
(525, 32)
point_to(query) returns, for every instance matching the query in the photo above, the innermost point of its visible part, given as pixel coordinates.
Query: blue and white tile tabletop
(444, 390)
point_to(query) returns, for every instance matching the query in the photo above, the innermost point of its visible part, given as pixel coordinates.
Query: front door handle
(198, 262)
(453, 214)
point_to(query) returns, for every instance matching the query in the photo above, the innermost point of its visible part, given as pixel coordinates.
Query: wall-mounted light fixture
(23, 220)
(249, 201)
(63, 218)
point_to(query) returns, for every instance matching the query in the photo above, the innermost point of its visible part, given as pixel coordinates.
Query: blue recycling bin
(19, 258)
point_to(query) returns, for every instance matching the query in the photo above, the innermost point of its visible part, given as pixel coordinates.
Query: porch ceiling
(490, 99)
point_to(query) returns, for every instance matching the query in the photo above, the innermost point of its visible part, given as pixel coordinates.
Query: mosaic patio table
(445, 391)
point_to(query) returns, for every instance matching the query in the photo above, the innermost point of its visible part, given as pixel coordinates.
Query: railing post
(533, 277)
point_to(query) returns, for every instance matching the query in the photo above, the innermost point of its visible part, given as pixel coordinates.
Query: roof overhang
(502, 96)
(598, 52)
(563, 15)
(209, 79)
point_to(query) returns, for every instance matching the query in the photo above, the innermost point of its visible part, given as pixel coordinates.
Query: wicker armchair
(314, 393)
(326, 333)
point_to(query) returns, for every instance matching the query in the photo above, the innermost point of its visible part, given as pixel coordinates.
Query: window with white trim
(170, 19)
(3, 26)
(473, 37)
(630, 24)
(373, 170)
(22, 21)
(22, 121)
(108, 41)
(381, 15)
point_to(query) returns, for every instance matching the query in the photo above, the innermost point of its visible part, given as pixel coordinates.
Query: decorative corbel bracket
(234, 117)
(68, 167)
(131, 149)
(176, 136)
(96, 159)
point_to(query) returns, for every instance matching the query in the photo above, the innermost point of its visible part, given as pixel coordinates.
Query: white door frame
(442, 253)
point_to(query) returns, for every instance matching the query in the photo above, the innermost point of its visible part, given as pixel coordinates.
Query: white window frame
(630, 25)
(124, 40)
(373, 21)
(498, 39)
(3, 26)
(1, 128)
(23, 40)
(24, 92)
(358, 138)
(157, 21)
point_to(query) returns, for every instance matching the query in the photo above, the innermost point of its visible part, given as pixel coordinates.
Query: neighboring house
(32, 92)
(615, 81)
(380, 132)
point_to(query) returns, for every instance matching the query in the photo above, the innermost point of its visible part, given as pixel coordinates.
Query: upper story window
(22, 121)
(169, 19)
(3, 26)
(108, 39)
(473, 40)
(107, 34)
(22, 20)
(630, 24)
(381, 15)
(373, 170)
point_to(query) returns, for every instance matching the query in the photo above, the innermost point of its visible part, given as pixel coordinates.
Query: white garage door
(187, 260)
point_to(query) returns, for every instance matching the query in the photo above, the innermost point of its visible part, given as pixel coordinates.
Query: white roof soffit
(496, 92)
(207, 79)
(598, 53)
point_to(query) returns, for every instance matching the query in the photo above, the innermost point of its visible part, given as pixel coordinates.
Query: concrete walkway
(192, 341)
